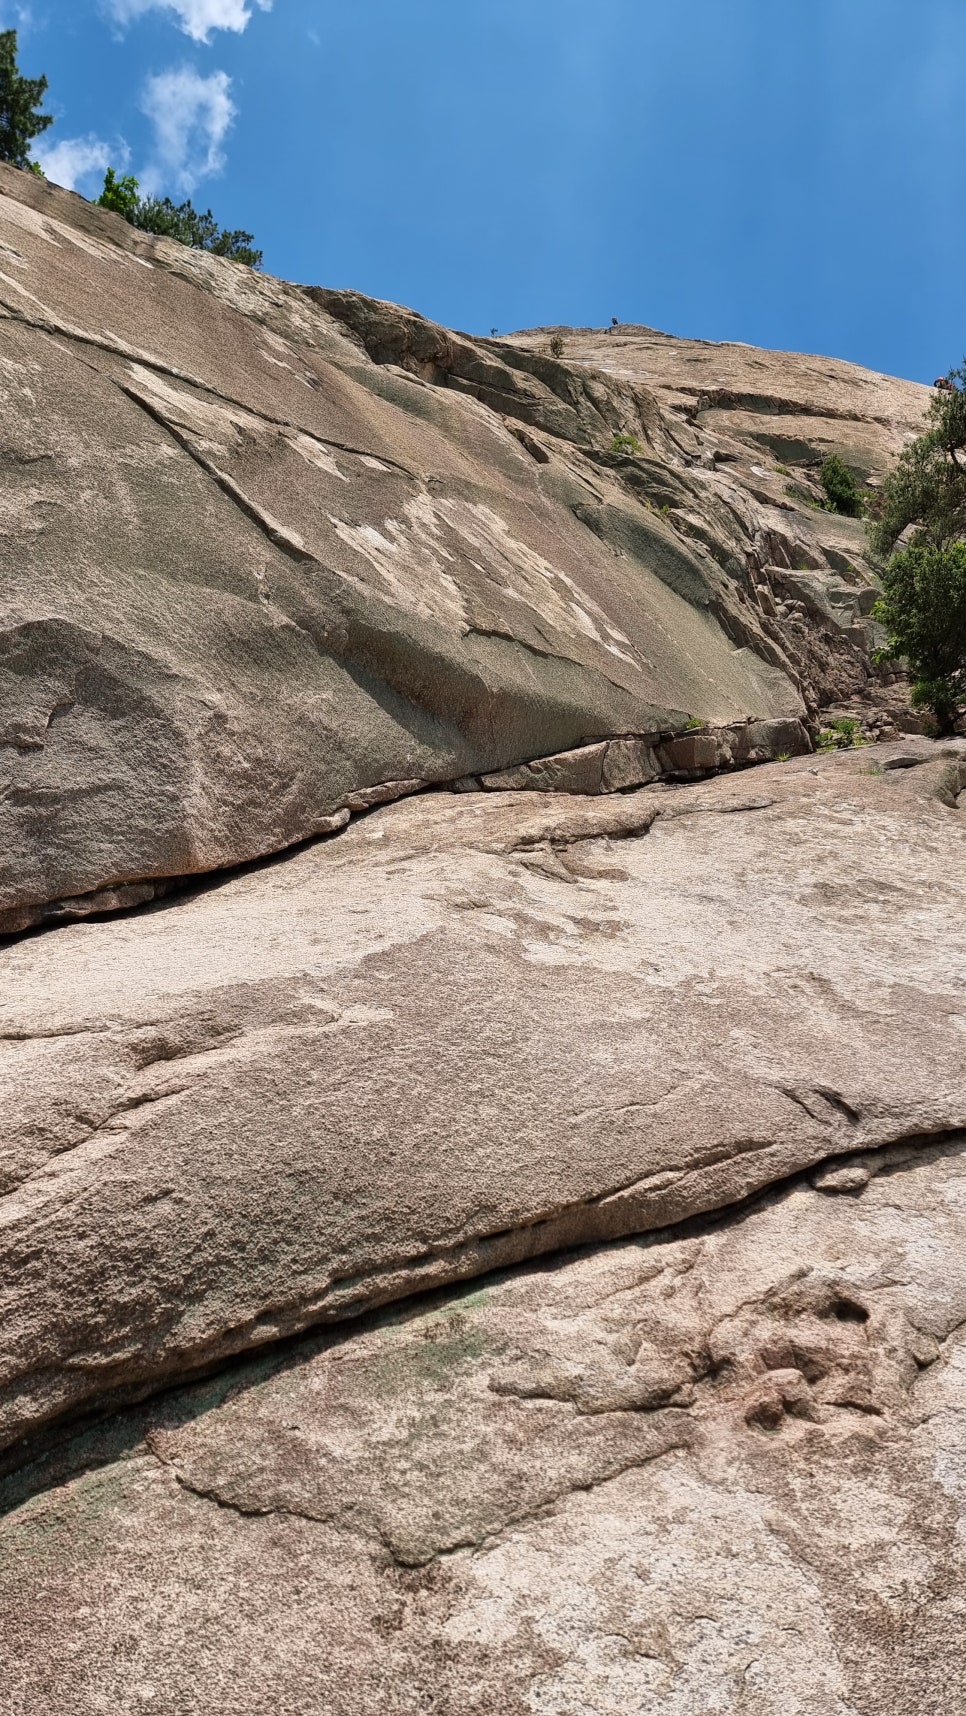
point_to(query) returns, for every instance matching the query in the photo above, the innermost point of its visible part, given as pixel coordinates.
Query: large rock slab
(249, 571)
(266, 547)
(720, 1471)
(467, 1030)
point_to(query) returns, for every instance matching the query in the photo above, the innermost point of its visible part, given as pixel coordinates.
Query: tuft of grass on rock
(842, 734)
(626, 444)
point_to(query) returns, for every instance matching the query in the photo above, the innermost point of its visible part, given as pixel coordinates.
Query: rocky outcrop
(751, 429)
(269, 550)
(735, 398)
(471, 1029)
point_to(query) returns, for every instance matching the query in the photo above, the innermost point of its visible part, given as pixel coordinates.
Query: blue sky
(787, 172)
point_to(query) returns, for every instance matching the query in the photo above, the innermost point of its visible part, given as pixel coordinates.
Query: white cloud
(191, 116)
(75, 159)
(197, 18)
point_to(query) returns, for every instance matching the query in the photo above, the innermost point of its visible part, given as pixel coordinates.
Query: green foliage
(120, 196)
(180, 221)
(923, 605)
(928, 487)
(20, 98)
(842, 734)
(184, 223)
(694, 725)
(841, 488)
(557, 347)
(923, 608)
(782, 471)
(626, 444)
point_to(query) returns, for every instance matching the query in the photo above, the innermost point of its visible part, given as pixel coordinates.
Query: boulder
(693, 753)
(571, 771)
(768, 741)
(629, 763)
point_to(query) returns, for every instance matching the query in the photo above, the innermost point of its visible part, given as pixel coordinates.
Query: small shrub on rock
(842, 734)
(626, 444)
(841, 488)
(120, 196)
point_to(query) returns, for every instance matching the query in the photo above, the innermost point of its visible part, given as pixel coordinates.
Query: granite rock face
(723, 1471)
(470, 1029)
(796, 408)
(749, 430)
(490, 1248)
(268, 548)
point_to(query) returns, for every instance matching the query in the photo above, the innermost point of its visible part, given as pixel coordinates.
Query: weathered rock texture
(470, 1029)
(719, 1472)
(267, 548)
(275, 558)
(795, 408)
(751, 428)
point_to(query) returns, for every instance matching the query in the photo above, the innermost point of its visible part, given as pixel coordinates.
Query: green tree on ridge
(180, 221)
(20, 98)
(921, 527)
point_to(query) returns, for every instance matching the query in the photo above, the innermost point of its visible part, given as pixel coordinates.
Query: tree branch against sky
(21, 120)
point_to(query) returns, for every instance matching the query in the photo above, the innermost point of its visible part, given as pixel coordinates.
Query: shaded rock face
(269, 548)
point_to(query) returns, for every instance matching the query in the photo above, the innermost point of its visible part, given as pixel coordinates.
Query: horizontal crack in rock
(480, 1258)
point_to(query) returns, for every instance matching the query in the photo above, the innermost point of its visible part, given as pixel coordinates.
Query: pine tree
(181, 221)
(20, 97)
(927, 489)
(923, 606)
